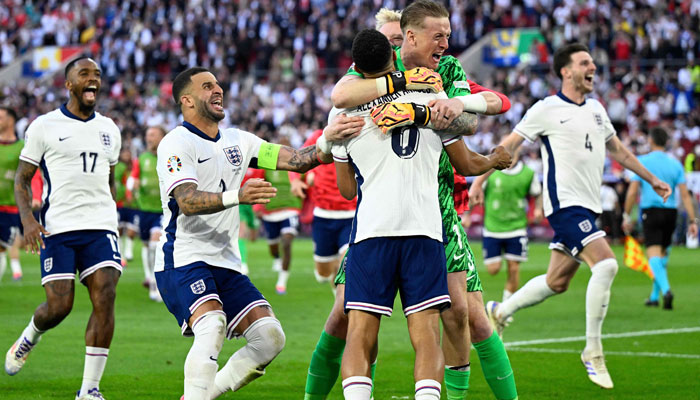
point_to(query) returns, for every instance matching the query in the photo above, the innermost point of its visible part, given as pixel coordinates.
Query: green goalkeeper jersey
(148, 193)
(504, 199)
(284, 198)
(9, 160)
(454, 82)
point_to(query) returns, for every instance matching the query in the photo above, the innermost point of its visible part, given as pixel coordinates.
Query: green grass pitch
(655, 358)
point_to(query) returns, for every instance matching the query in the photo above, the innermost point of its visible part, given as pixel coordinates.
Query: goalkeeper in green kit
(426, 29)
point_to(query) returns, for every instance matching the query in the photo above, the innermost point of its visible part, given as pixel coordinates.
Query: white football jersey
(396, 174)
(187, 154)
(75, 157)
(573, 149)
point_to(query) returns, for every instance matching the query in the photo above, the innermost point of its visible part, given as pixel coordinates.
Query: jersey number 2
(588, 144)
(85, 157)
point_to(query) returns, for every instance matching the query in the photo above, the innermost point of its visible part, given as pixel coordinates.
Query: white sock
(357, 388)
(200, 364)
(282, 278)
(506, 295)
(128, 247)
(428, 389)
(152, 257)
(145, 260)
(95, 361)
(533, 292)
(597, 299)
(31, 332)
(3, 264)
(265, 340)
(16, 266)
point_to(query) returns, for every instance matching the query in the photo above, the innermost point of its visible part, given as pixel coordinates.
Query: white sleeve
(34, 148)
(251, 150)
(114, 158)
(531, 126)
(535, 187)
(340, 152)
(609, 129)
(176, 163)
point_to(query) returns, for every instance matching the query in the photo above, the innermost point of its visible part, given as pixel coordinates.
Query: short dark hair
(371, 51)
(72, 63)
(10, 111)
(562, 57)
(658, 136)
(183, 79)
(415, 13)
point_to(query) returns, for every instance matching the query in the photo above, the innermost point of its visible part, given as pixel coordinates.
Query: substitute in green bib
(10, 225)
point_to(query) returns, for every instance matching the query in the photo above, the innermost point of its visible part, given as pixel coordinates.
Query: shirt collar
(568, 100)
(69, 114)
(201, 134)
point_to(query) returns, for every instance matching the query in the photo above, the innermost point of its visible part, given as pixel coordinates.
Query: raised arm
(388, 116)
(622, 155)
(23, 198)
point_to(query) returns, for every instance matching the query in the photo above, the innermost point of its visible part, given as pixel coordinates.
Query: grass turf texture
(147, 353)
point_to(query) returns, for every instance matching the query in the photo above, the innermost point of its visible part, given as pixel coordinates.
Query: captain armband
(268, 154)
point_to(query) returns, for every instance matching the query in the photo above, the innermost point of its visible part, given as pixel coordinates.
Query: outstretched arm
(622, 155)
(196, 202)
(469, 163)
(23, 198)
(476, 191)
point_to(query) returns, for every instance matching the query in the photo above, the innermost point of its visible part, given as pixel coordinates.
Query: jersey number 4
(588, 144)
(85, 156)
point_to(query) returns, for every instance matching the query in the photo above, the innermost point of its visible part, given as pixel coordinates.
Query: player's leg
(659, 224)
(3, 262)
(363, 328)
(489, 347)
(5, 239)
(99, 267)
(250, 317)
(283, 276)
(455, 337)
(516, 252)
(326, 235)
(273, 232)
(424, 329)
(15, 264)
(155, 232)
(513, 279)
(492, 254)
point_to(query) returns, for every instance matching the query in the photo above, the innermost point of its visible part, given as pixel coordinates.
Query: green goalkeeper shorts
(247, 216)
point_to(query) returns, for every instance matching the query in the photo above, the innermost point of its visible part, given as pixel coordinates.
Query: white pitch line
(609, 353)
(605, 336)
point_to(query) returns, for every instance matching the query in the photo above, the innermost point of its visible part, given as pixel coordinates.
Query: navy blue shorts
(147, 223)
(10, 226)
(127, 218)
(331, 237)
(185, 288)
(414, 265)
(82, 251)
(274, 230)
(574, 228)
(514, 248)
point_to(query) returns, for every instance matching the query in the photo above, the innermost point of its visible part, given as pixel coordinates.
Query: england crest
(585, 226)
(598, 119)
(198, 287)
(234, 155)
(48, 264)
(106, 139)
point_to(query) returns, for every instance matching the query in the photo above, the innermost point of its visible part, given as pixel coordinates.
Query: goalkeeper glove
(415, 79)
(393, 115)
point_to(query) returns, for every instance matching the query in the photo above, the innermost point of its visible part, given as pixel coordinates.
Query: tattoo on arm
(23, 188)
(300, 160)
(195, 202)
(464, 125)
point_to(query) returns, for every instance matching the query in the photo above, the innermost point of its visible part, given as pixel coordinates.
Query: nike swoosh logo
(504, 377)
(210, 357)
(199, 160)
(63, 138)
(457, 258)
(561, 121)
(114, 256)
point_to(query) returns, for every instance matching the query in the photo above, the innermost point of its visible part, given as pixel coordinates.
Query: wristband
(229, 198)
(474, 103)
(421, 114)
(626, 218)
(382, 87)
(323, 144)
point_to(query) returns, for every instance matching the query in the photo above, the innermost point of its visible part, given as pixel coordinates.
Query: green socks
(324, 367)
(496, 367)
(456, 383)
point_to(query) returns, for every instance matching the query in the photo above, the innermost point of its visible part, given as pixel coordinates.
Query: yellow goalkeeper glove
(393, 115)
(415, 79)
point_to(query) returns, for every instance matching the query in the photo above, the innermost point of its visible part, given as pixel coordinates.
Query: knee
(493, 268)
(479, 327)
(559, 286)
(457, 316)
(60, 308)
(266, 339)
(337, 323)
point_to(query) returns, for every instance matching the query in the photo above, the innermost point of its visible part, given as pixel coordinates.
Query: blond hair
(384, 16)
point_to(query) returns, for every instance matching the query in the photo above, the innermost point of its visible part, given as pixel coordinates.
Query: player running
(148, 207)
(76, 149)
(198, 262)
(505, 220)
(575, 131)
(421, 22)
(659, 216)
(10, 225)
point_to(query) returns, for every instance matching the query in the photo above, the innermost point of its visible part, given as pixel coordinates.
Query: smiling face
(580, 72)
(428, 43)
(207, 96)
(83, 83)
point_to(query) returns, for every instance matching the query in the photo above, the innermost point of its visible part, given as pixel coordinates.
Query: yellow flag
(635, 258)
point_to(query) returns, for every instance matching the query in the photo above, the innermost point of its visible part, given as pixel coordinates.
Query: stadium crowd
(278, 61)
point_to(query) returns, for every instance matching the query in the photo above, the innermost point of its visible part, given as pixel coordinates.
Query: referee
(659, 218)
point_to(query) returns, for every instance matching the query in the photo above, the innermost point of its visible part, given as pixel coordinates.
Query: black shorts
(658, 225)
